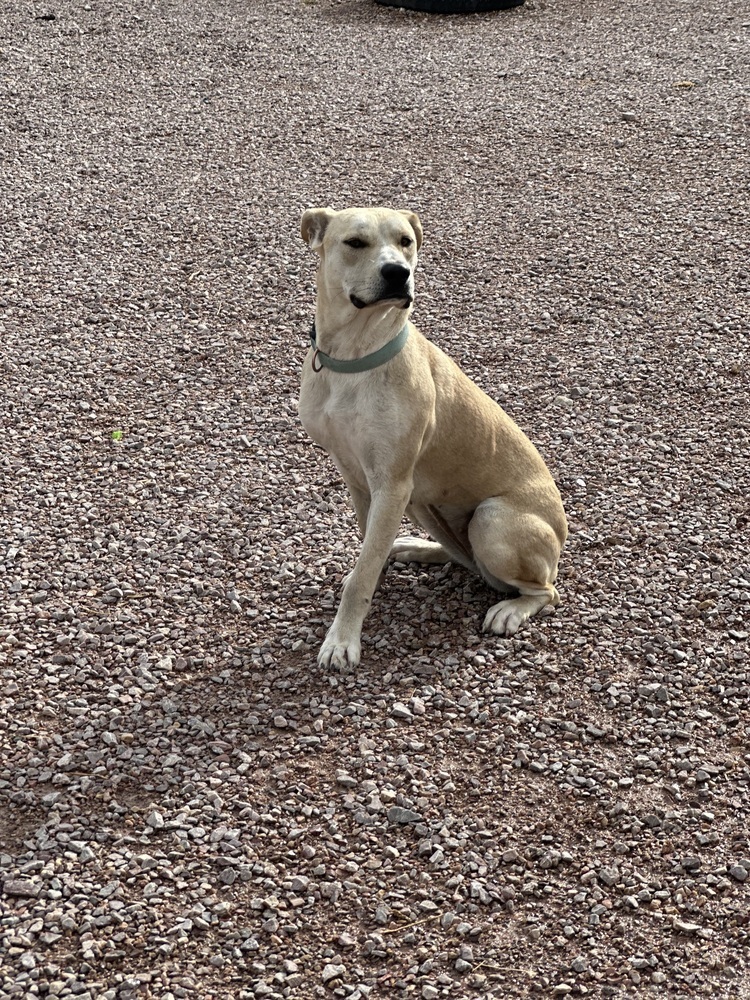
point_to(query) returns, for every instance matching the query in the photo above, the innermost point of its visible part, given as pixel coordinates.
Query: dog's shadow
(435, 596)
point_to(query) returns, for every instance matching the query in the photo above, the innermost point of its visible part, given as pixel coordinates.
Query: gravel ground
(190, 806)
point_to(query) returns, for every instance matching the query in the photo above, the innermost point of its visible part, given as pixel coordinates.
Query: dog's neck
(352, 333)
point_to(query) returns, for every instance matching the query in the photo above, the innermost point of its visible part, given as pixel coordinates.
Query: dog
(411, 434)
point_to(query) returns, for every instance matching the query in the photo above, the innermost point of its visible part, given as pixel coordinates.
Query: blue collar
(365, 364)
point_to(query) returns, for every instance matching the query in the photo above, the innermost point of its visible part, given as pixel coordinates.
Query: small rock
(609, 876)
(691, 864)
(398, 814)
(684, 927)
(155, 820)
(639, 963)
(595, 731)
(331, 972)
(21, 887)
(550, 860)
(738, 872)
(400, 711)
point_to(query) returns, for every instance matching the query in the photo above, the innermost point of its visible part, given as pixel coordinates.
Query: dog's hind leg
(410, 548)
(520, 550)
(451, 542)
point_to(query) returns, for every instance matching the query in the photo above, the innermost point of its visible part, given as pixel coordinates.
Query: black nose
(396, 275)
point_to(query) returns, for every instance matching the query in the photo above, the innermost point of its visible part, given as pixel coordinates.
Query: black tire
(452, 6)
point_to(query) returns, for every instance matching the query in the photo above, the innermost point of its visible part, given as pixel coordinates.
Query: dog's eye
(355, 244)
(406, 241)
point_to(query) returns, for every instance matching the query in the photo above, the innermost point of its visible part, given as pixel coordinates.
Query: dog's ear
(314, 224)
(416, 225)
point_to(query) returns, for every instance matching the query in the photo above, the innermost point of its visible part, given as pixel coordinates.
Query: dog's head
(368, 255)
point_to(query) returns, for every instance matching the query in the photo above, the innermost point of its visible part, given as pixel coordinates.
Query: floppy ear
(314, 224)
(415, 224)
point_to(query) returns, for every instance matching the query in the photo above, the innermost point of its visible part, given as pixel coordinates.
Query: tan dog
(411, 434)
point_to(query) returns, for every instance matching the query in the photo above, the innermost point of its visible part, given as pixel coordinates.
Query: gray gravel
(190, 807)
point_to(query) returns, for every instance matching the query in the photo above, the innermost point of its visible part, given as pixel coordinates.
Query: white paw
(404, 548)
(421, 550)
(505, 618)
(339, 653)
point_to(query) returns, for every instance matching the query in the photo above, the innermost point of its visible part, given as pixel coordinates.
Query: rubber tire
(452, 6)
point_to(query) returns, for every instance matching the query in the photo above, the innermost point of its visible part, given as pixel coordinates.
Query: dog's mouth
(402, 299)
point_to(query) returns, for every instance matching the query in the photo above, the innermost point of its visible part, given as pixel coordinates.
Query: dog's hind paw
(411, 549)
(506, 617)
(339, 653)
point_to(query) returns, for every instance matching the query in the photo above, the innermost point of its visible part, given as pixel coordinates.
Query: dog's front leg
(342, 644)
(361, 504)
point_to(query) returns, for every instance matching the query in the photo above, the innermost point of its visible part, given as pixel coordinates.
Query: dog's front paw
(339, 652)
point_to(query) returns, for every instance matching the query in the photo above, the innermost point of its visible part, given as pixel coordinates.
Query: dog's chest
(343, 416)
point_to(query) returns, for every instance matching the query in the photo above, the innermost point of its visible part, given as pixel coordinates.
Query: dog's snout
(396, 275)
